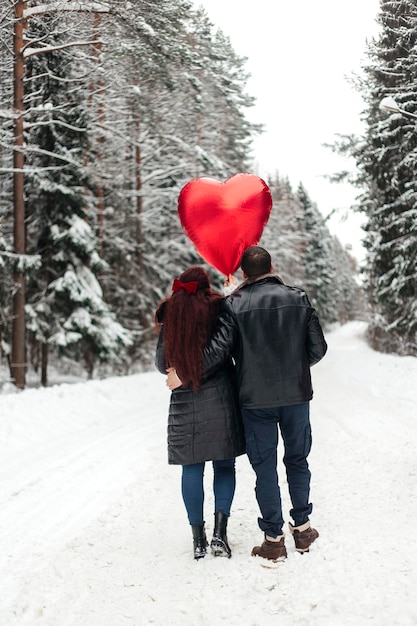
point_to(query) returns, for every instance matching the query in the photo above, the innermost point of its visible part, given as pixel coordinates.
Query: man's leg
(295, 429)
(261, 434)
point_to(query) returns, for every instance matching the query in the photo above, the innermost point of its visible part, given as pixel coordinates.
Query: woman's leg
(193, 492)
(224, 484)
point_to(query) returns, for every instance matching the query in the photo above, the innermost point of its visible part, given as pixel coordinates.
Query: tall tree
(319, 261)
(386, 158)
(351, 302)
(65, 302)
(185, 119)
(284, 235)
(6, 190)
(118, 114)
(19, 13)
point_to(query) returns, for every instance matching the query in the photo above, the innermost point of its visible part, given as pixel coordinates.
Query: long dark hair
(189, 320)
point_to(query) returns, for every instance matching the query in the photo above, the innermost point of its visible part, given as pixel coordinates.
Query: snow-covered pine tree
(225, 134)
(351, 302)
(166, 103)
(320, 276)
(65, 303)
(6, 193)
(386, 158)
(283, 235)
(306, 255)
(185, 119)
(139, 162)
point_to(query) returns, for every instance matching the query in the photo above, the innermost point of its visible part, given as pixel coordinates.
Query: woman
(204, 421)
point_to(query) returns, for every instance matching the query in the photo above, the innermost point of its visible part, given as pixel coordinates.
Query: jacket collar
(257, 279)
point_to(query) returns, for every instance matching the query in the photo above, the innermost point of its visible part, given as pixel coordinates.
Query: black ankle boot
(219, 545)
(199, 541)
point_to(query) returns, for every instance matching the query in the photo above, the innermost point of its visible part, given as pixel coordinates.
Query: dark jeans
(261, 446)
(224, 483)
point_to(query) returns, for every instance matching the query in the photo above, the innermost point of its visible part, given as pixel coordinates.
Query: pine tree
(140, 161)
(184, 122)
(284, 235)
(319, 261)
(386, 157)
(7, 260)
(114, 129)
(65, 302)
(351, 302)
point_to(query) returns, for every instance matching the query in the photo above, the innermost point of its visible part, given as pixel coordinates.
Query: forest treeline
(386, 176)
(107, 110)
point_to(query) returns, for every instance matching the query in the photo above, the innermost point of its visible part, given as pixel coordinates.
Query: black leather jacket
(274, 336)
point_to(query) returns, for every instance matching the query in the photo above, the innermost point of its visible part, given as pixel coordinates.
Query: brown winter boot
(304, 536)
(272, 550)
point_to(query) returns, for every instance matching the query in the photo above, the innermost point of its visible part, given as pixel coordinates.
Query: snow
(93, 530)
(97, 7)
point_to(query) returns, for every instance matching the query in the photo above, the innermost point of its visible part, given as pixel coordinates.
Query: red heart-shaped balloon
(222, 219)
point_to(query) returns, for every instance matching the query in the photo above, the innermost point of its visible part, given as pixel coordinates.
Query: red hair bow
(190, 287)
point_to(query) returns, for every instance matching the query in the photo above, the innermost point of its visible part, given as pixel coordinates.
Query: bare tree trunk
(98, 46)
(143, 318)
(139, 203)
(18, 365)
(89, 362)
(18, 352)
(44, 364)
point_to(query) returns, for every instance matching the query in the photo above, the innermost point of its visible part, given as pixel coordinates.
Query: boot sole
(279, 559)
(271, 564)
(221, 553)
(219, 549)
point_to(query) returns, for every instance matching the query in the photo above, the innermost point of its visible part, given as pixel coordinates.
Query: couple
(259, 343)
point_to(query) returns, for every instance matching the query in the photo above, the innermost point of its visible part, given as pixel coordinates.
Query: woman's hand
(230, 284)
(172, 381)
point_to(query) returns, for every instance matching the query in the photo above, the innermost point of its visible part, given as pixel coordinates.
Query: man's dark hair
(255, 261)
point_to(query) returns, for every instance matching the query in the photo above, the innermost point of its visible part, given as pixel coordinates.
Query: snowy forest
(107, 110)
(385, 174)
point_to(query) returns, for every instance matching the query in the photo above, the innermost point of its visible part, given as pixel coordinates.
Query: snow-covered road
(93, 531)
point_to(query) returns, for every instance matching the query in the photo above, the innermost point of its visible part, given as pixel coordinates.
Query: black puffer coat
(274, 335)
(203, 425)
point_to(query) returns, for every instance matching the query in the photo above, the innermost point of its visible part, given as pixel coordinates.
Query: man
(275, 336)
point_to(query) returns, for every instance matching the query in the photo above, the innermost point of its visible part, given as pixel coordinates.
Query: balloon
(222, 219)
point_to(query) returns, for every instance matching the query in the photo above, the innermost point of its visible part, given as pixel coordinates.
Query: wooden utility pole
(18, 353)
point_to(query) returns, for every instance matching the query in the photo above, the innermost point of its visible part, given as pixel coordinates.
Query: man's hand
(172, 381)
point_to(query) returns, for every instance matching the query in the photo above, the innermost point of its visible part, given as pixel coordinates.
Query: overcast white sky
(299, 55)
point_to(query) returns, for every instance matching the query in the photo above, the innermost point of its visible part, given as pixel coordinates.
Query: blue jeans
(192, 484)
(261, 431)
